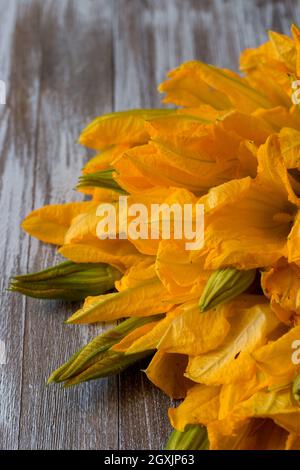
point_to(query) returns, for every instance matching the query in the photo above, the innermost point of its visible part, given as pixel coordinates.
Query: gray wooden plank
(73, 41)
(18, 120)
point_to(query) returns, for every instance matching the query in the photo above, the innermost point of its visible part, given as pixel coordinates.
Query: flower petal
(50, 223)
(119, 253)
(249, 329)
(119, 128)
(194, 333)
(200, 406)
(275, 358)
(147, 298)
(166, 372)
(248, 221)
(282, 286)
(185, 87)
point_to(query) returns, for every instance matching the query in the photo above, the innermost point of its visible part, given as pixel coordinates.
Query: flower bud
(223, 285)
(67, 281)
(96, 359)
(100, 179)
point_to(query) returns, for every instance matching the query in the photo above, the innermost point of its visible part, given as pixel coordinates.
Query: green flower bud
(67, 281)
(224, 285)
(100, 179)
(96, 359)
(110, 363)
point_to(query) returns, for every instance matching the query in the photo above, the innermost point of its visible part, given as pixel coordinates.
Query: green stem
(194, 437)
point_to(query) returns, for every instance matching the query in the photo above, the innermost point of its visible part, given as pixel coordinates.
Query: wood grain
(64, 63)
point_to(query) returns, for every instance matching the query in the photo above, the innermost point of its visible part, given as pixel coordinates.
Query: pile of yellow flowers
(221, 324)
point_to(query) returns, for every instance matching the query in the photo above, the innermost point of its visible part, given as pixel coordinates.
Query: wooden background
(64, 62)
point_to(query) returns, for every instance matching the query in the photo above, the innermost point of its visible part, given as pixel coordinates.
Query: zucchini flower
(97, 359)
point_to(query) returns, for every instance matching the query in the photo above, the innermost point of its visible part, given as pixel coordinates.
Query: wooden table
(64, 62)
